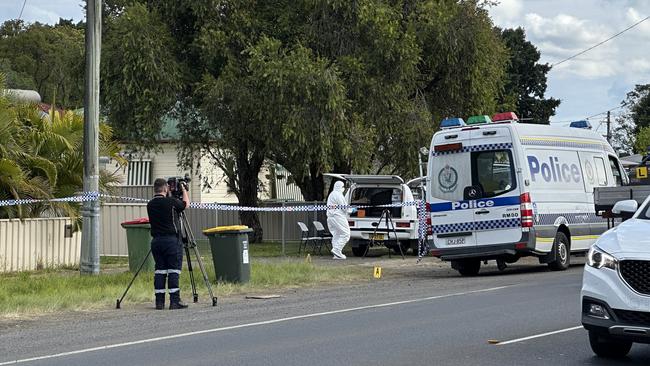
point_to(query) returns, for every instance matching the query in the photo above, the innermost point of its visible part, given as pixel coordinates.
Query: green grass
(51, 291)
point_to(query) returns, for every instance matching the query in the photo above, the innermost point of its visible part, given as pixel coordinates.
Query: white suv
(616, 284)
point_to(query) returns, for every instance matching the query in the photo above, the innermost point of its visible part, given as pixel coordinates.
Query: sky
(587, 85)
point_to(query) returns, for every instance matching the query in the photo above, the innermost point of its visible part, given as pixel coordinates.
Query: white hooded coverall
(337, 219)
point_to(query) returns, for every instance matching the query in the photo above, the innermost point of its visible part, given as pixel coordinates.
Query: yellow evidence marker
(377, 272)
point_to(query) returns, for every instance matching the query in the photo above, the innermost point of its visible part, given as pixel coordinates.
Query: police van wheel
(467, 267)
(562, 253)
(360, 250)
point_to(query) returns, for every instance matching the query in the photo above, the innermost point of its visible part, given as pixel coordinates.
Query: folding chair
(305, 239)
(323, 236)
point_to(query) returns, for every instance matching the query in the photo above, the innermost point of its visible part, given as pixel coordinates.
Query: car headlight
(598, 258)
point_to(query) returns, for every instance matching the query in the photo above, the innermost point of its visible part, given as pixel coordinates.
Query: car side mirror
(625, 208)
(473, 193)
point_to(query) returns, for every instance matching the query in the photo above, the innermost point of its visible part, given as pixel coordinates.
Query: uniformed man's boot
(175, 302)
(160, 301)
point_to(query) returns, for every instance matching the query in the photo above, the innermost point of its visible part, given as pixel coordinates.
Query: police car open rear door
(497, 220)
(449, 174)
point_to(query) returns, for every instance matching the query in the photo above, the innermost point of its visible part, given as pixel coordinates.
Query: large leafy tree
(316, 85)
(46, 58)
(632, 131)
(525, 85)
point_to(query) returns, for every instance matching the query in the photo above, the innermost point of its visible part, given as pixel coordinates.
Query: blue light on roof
(452, 122)
(581, 124)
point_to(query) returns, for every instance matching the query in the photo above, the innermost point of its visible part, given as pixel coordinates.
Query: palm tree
(41, 157)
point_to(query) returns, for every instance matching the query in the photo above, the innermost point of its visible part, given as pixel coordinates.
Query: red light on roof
(505, 116)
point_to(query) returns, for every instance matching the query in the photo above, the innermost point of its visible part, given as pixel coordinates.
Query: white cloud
(634, 16)
(564, 28)
(507, 12)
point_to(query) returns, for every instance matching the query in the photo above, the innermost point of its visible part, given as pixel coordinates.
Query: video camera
(175, 183)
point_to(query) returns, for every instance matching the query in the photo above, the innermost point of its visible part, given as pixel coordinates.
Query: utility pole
(90, 210)
(609, 127)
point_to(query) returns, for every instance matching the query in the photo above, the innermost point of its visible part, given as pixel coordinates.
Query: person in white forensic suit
(337, 220)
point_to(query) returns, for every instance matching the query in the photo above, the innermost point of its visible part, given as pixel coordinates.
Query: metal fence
(277, 226)
(38, 243)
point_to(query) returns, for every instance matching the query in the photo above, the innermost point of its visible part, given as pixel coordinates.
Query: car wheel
(467, 267)
(562, 253)
(414, 247)
(607, 347)
(360, 250)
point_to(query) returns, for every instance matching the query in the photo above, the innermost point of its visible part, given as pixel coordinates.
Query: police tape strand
(423, 247)
(93, 196)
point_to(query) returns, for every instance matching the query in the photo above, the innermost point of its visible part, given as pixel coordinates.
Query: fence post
(283, 227)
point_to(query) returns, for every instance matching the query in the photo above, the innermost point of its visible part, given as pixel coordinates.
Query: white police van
(501, 190)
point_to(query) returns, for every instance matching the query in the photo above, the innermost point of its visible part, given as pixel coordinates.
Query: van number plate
(456, 241)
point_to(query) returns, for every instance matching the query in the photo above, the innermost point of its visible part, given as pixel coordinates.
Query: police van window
(601, 174)
(616, 171)
(494, 172)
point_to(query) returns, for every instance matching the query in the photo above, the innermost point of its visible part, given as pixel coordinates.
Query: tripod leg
(119, 301)
(205, 275)
(195, 295)
(386, 218)
(392, 225)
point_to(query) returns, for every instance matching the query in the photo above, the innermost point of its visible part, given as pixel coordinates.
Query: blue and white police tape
(84, 197)
(92, 196)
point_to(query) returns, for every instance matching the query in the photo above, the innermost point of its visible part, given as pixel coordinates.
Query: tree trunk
(248, 169)
(312, 185)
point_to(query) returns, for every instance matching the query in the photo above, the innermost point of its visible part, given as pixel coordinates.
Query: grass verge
(51, 291)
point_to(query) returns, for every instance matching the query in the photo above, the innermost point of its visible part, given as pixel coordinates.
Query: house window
(138, 173)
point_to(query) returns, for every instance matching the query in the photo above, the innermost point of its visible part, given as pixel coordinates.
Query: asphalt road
(424, 316)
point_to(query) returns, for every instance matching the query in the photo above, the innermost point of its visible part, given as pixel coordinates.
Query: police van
(501, 190)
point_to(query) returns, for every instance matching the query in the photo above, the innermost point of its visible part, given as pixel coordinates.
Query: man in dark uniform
(166, 245)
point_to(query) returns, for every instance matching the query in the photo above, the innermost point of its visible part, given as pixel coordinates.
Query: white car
(615, 292)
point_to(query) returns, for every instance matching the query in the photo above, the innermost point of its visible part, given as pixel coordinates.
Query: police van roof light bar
(451, 123)
(505, 117)
(475, 120)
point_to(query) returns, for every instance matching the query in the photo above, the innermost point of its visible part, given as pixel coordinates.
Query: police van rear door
(493, 168)
(449, 174)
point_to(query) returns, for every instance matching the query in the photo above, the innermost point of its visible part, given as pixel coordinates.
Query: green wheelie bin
(229, 246)
(138, 238)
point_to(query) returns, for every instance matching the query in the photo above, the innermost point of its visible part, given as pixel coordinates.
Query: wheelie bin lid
(143, 221)
(232, 229)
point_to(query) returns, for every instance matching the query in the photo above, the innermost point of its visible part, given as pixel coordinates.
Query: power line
(21, 10)
(603, 42)
(609, 110)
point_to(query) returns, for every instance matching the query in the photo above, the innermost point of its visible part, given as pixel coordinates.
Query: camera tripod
(189, 243)
(388, 219)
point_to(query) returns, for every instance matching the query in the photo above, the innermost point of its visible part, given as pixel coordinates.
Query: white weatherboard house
(207, 184)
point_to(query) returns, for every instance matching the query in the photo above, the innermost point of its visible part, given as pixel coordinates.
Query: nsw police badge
(448, 179)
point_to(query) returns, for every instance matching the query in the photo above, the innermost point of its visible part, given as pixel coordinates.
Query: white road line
(539, 335)
(248, 325)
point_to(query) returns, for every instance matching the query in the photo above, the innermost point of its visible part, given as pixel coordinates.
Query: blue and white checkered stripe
(571, 218)
(476, 226)
(473, 148)
(567, 144)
